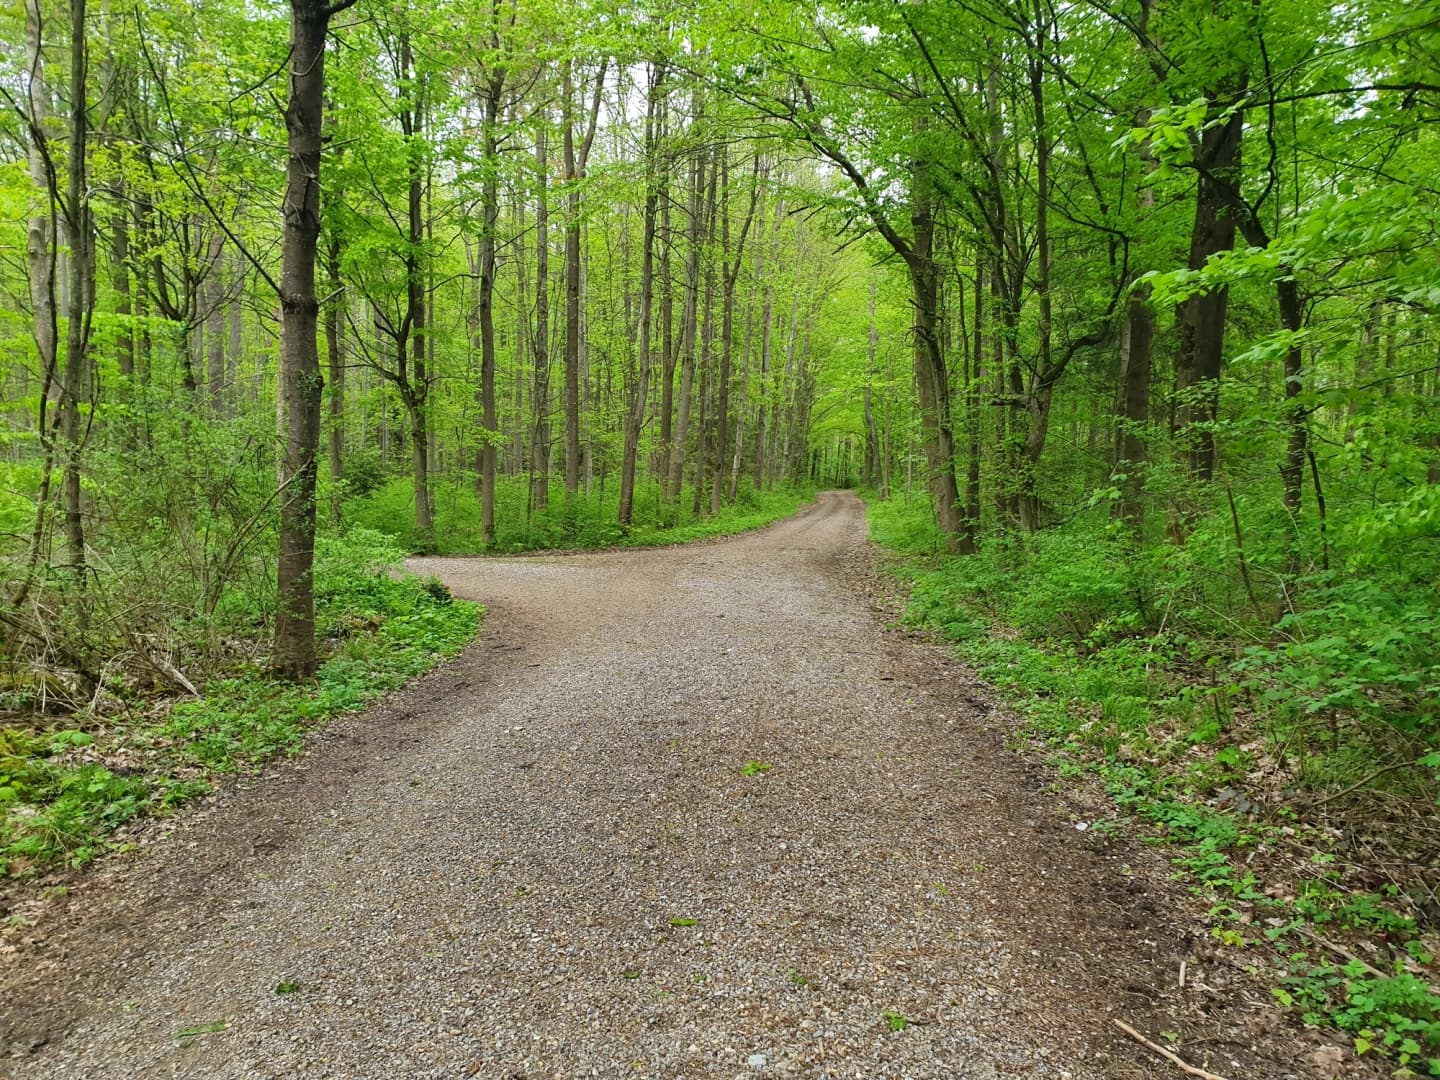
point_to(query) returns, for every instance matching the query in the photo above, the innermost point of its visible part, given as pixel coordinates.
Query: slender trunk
(668, 356)
(215, 325)
(767, 317)
(636, 419)
(335, 355)
(1137, 346)
(1292, 471)
(237, 322)
(414, 386)
(540, 394)
(1047, 371)
(703, 433)
(301, 384)
(490, 215)
(40, 256)
(75, 377)
(931, 377)
(687, 328)
(574, 173)
(518, 427)
(872, 432)
(1202, 318)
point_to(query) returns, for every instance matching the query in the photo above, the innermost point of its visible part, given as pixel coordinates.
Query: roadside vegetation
(1290, 771)
(73, 775)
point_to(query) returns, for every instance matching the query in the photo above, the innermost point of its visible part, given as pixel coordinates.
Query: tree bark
(335, 355)
(540, 393)
(301, 385)
(635, 419)
(490, 218)
(215, 326)
(575, 161)
(1202, 318)
(75, 375)
(688, 328)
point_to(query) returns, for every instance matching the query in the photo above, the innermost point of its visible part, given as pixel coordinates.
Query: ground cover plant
(1224, 744)
(68, 784)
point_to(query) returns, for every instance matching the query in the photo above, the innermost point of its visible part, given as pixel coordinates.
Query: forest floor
(683, 812)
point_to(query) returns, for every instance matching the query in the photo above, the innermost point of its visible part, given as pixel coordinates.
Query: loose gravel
(689, 812)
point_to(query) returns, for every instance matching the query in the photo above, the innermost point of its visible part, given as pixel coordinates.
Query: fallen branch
(1166, 1054)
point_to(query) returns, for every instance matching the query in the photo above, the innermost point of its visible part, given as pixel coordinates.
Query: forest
(1122, 314)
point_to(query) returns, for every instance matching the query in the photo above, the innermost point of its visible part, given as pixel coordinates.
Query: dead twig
(1166, 1054)
(1340, 950)
(1361, 783)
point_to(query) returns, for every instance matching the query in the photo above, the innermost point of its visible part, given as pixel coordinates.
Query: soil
(684, 812)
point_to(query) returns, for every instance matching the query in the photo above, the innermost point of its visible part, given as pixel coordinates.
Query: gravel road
(689, 812)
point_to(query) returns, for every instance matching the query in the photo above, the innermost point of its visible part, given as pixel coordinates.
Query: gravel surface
(680, 813)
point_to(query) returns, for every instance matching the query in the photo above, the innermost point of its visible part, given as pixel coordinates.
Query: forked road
(688, 812)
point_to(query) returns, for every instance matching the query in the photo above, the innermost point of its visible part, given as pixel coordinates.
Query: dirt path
(547, 859)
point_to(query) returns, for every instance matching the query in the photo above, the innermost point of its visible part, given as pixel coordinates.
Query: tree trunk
(540, 394)
(1202, 318)
(574, 173)
(414, 386)
(767, 318)
(1137, 347)
(969, 542)
(703, 430)
(490, 214)
(931, 377)
(727, 337)
(635, 420)
(215, 325)
(335, 355)
(75, 376)
(301, 385)
(687, 329)
(874, 472)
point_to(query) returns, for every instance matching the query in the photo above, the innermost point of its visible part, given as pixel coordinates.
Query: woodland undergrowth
(72, 777)
(586, 521)
(1288, 765)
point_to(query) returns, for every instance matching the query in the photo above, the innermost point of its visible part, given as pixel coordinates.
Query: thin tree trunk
(688, 328)
(75, 375)
(1202, 317)
(215, 325)
(636, 418)
(727, 330)
(40, 257)
(575, 161)
(540, 394)
(490, 214)
(335, 355)
(872, 432)
(767, 317)
(301, 384)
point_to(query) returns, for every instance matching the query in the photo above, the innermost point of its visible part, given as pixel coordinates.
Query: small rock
(757, 1061)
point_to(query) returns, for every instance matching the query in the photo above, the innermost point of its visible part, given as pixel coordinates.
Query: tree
(301, 384)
